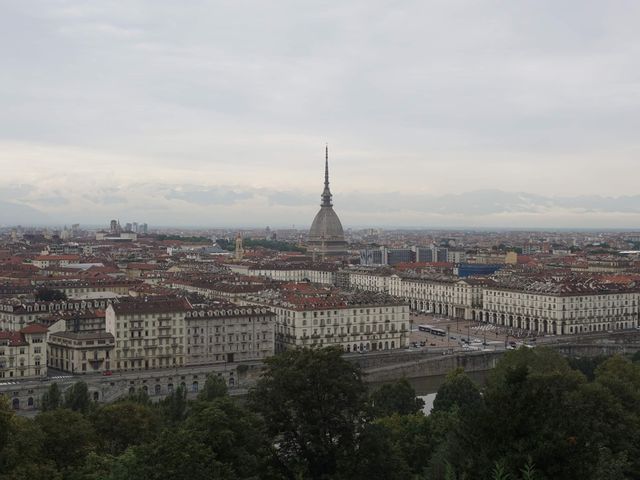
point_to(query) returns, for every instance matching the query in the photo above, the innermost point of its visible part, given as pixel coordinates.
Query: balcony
(164, 327)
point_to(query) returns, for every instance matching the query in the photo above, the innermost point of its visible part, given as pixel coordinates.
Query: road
(495, 337)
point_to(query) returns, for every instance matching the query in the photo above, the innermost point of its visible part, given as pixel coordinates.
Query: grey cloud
(209, 196)
(446, 95)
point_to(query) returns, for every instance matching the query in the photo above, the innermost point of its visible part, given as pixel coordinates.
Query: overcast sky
(437, 113)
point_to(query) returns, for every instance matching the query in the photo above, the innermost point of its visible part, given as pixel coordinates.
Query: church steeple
(326, 193)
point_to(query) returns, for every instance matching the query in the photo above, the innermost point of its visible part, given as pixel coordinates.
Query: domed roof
(326, 225)
(326, 236)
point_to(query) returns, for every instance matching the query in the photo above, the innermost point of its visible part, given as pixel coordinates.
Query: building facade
(560, 309)
(148, 333)
(356, 322)
(229, 333)
(23, 353)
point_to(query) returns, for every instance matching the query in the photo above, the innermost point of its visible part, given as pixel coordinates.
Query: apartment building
(15, 314)
(148, 333)
(23, 353)
(80, 352)
(228, 333)
(290, 271)
(561, 307)
(312, 315)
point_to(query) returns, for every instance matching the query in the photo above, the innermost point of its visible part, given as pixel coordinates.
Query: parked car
(107, 373)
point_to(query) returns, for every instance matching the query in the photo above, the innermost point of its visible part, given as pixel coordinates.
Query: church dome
(326, 225)
(326, 237)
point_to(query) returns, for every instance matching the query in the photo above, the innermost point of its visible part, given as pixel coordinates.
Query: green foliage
(377, 456)
(271, 245)
(52, 398)
(139, 396)
(500, 472)
(214, 387)
(69, 437)
(458, 391)
(176, 454)
(399, 397)
(235, 436)
(45, 294)
(586, 365)
(77, 398)
(6, 416)
(174, 406)
(313, 402)
(310, 417)
(123, 424)
(192, 239)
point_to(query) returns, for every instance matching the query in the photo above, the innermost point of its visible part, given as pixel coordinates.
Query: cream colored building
(80, 352)
(23, 353)
(290, 272)
(368, 279)
(547, 307)
(440, 294)
(228, 333)
(14, 315)
(359, 321)
(148, 333)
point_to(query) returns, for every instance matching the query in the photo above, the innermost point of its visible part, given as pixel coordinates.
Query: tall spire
(326, 193)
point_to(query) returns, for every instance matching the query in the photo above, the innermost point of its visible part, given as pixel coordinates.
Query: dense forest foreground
(311, 416)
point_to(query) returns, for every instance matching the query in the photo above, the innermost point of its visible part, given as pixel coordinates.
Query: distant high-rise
(326, 237)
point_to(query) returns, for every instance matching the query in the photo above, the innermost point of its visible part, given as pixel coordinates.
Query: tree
(377, 456)
(214, 387)
(174, 406)
(45, 294)
(22, 458)
(52, 398)
(235, 436)
(123, 424)
(68, 437)
(399, 397)
(416, 437)
(175, 454)
(6, 415)
(532, 414)
(77, 398)
(459, 391)
(313, 402)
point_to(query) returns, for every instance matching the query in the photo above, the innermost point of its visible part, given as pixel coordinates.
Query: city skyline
(438, 115)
